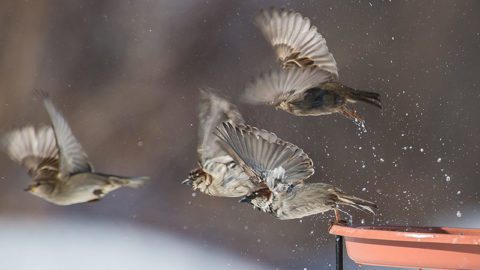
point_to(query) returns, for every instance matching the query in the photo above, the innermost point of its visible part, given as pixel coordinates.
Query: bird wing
(36, 150)
(279, 85)
(295, 40)
(72, 157)
(213, 110)
(270, 161)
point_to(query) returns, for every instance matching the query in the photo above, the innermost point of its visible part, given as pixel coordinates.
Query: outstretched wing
(295, 40)
(36, 150)
(270, 161)
(72, 157)
(213, 110)
(280, 85)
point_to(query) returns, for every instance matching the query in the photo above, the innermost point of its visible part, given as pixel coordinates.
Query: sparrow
(281, 168)
(308, 84)
(58, 165)
(217, 174)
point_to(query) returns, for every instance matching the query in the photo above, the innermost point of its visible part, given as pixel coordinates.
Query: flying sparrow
(57, 163)
(282, 168)
(217, 174)
(308, 85)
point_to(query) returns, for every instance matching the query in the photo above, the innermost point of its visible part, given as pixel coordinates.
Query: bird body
(327, 98)
(312, 198)
(222, 177)
(58, 165)
(302, 200)
(315, 101)
(81, 187)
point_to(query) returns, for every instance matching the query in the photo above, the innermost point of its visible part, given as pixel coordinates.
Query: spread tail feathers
(357, 203)
(134, 182)
(365, 96)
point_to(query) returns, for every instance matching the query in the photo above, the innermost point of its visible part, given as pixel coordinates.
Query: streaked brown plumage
(308, 85)
(282, 167)
(295, 40)
(217, 174)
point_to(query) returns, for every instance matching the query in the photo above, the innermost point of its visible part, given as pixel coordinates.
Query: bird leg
(338, 218)
(337, 215)
(350, 113)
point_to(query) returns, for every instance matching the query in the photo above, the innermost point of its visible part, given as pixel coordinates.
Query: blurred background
(126, 75)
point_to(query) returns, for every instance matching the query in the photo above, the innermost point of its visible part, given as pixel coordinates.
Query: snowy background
(126, 75)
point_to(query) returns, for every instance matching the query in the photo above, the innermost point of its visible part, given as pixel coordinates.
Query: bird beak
(30, 188)
(245, 200)
(187, 182)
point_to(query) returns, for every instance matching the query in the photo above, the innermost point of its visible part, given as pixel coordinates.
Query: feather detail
(73, 158)
(277, 86)
(36, 150)
(295, 40)
(213, 110)
(269, 161)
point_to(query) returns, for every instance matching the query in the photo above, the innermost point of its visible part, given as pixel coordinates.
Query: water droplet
(459, 214)
(439, 160)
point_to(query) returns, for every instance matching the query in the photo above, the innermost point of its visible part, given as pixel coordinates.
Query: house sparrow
(58, 165)
(282, 167)
(308, 85)
(217, 174)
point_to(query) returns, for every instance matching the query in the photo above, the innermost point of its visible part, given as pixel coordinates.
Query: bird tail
(358, 203)
(133, 182)
(365, 96)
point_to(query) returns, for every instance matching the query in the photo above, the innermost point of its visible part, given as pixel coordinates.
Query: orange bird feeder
(410, 247)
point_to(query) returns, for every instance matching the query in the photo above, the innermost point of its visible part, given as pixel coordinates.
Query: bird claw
(341, 222)
(337, 223)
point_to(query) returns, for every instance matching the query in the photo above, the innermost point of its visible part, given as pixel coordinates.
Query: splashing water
(360, 123)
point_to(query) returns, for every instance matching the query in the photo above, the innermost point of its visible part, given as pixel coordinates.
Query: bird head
(42, 189)
(198, 179)
(260, 199)
(283, 106)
